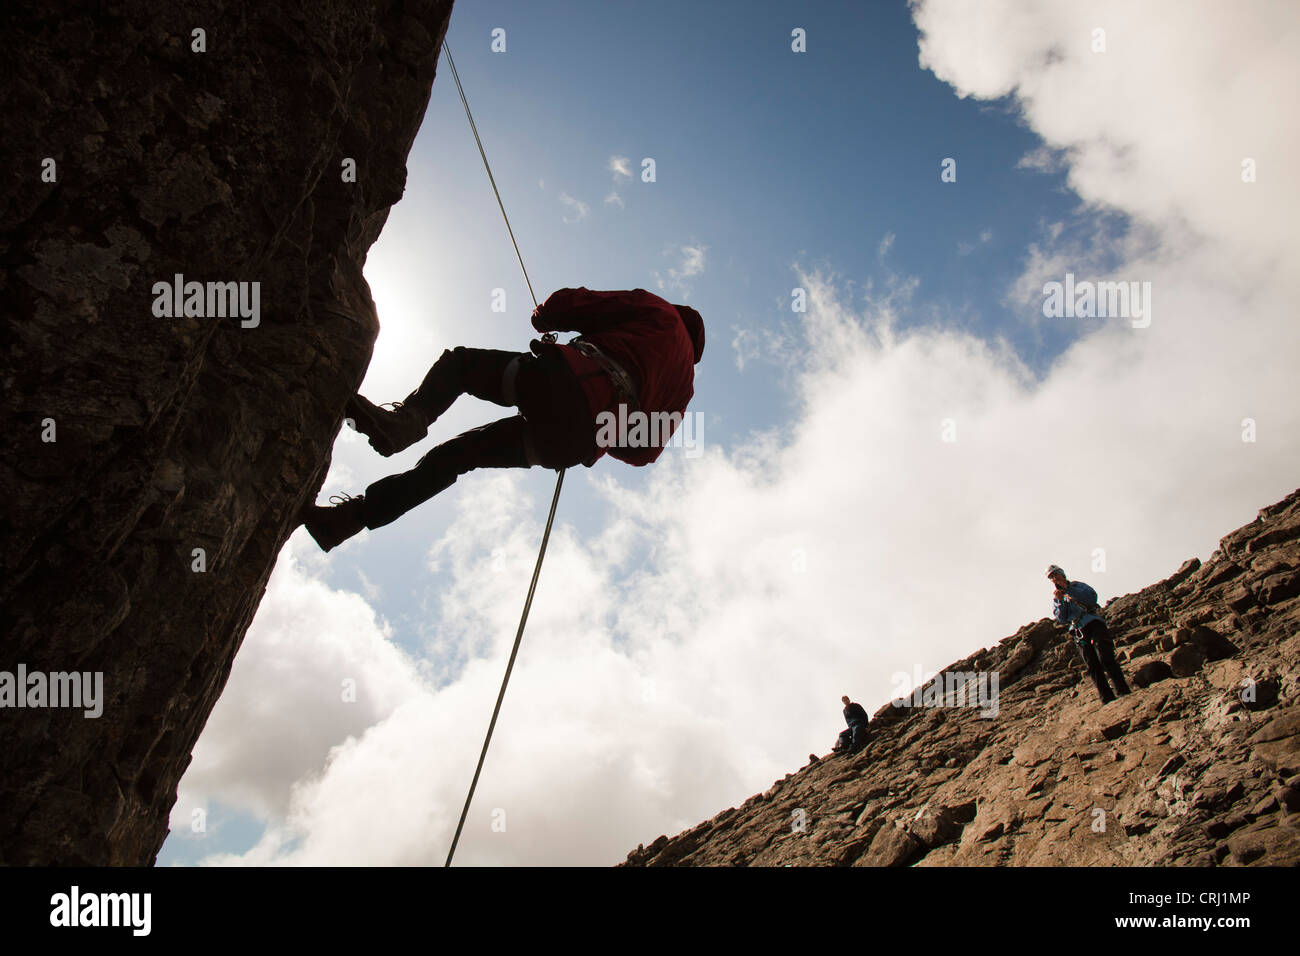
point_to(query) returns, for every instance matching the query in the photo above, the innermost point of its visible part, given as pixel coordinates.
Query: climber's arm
(582, 310)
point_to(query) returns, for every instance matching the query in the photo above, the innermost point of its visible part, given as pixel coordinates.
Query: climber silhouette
(635, 356)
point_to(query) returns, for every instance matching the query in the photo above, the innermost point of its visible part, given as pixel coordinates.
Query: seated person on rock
(854, 738)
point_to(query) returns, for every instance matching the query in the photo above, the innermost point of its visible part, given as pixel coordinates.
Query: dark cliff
(172, 435)
(1200, 765)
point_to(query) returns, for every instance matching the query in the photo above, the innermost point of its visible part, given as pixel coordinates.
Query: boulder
(1150, 672)
(892, 846)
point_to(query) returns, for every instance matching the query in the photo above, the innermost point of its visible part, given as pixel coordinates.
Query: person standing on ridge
(634, 350)
(1075, 605)
(855, 737)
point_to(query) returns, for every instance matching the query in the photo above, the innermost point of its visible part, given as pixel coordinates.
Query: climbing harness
(555, 500)
(624, 387)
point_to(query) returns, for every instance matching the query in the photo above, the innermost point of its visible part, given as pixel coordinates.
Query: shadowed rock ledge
(173, 435)
(1199, 766)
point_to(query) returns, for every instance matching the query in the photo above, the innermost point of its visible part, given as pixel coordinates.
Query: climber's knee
(454, 356)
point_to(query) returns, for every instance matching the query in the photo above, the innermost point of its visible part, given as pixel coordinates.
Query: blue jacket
(1070, 613)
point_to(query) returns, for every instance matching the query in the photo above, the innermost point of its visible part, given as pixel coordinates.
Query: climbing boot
(389, 430)
(331, 526)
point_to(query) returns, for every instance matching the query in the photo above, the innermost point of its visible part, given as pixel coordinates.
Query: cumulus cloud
(316, 667)
(1157, 125)
(694, 646)
(600, 737)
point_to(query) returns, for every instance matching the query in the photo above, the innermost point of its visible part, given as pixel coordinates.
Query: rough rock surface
(1200, 766)
(173, 434)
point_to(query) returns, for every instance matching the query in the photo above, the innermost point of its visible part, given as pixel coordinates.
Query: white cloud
(576, 209)
(621, 167)
(690, 263)
(1043, 159)
(1158, 124)
(283, 707)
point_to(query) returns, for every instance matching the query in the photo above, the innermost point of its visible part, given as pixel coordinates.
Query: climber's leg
(859, 736)
(501, 444)
(484, 373)
(556, 430)
(1101, 639)
(1089, 655)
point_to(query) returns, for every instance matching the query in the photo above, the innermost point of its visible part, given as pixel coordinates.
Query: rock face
(153, 466)
(1200, 765)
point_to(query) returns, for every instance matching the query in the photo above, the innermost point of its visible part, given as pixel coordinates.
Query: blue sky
(698, 620)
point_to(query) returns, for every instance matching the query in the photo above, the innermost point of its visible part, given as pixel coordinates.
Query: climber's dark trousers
(1098, 653)
(854, 738)
(554, 429)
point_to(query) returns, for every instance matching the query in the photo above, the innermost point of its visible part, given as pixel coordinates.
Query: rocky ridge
(1199, 766)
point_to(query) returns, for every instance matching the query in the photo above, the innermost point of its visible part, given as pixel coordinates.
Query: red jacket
(655, 342)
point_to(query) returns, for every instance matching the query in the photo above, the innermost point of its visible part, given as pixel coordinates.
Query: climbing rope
(492, 179)
(555, 500)
(559, 482)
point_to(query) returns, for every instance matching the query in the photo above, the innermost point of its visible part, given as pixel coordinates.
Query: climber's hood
(694, 326)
